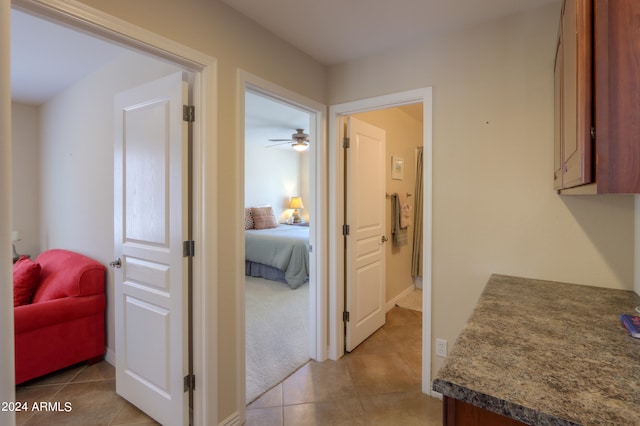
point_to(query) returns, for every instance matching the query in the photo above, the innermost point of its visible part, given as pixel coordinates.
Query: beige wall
(305, 184)
(272, 177)
(403, 136)
(236, 43)
(494, 209)
(26, 174)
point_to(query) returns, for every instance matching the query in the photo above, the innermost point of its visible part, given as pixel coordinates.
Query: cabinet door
(576, 118)
(617, 91)
(557, 148)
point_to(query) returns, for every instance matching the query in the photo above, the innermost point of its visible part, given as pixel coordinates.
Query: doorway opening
(337, 176)
(202, 69)
(277, 295)
(276, 177)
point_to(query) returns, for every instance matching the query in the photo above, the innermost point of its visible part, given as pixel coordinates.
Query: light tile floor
(377, 384)
(90, 392)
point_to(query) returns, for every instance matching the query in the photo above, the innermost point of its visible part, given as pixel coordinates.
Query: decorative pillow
(26, 277)
(264, 218)
(248, 218)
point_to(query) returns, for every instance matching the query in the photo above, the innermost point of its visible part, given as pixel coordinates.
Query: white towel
(400, 235)
(405, 211)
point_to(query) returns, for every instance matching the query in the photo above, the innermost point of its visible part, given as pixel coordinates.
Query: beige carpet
(411, 301)
(277, 327)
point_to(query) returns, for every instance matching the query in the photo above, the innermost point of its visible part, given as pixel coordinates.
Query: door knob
(116, 263)
(384, 239)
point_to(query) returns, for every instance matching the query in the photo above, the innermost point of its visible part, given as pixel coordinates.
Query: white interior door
(150, 225)
(365, 215)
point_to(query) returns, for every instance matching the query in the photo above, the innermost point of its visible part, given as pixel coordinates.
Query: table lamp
(296, 203)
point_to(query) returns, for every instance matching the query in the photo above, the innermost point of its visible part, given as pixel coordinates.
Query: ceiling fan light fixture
(300, 141)
(300, 146)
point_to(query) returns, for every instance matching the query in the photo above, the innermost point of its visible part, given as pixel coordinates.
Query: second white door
(365, 215)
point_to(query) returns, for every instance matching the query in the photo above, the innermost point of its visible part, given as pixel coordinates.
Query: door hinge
(189, 382)
(345, 316)
(310, 248)
(189, 248)
(346, 143)
(593, 132)
(345, 229)
(188, 113)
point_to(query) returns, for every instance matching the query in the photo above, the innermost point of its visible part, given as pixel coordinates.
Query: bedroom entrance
(89, 121)
(282, 140)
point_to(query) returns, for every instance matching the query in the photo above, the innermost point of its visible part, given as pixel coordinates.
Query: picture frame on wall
(397, 168)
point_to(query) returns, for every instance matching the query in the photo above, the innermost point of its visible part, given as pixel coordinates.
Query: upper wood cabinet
(597, 97)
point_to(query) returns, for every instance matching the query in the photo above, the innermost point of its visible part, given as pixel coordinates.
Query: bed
(278, 253)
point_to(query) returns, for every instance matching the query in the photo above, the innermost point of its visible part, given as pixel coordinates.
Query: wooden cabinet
(459, 413)
(597, 97)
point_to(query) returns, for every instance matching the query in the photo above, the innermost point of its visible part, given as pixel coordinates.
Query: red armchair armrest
(43, 314)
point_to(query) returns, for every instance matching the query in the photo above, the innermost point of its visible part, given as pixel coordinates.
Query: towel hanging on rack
(405, 211)
(399, 234)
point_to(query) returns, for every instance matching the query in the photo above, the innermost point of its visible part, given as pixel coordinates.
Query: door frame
(318, 256)
(336, 200)
(7, 334)
(203, 68)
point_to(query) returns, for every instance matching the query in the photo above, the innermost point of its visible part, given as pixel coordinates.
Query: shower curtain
(416, 261)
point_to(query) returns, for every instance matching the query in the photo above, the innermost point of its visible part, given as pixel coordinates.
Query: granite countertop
(547, 353)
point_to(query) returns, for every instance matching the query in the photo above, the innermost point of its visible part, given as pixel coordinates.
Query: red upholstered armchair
(64, 324)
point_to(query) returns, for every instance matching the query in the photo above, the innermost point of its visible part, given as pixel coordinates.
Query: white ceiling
(266, 119)
(334, 31)
(46, 58)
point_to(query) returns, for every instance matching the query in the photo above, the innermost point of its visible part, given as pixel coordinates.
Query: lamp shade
(296, 203)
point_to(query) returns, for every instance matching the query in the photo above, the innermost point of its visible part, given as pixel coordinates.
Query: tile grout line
(122, 404)
(393, 351)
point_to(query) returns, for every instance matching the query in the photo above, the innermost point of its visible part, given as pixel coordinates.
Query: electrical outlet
(441, 348)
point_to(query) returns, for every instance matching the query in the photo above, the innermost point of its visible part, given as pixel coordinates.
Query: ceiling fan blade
(298, 140)
(278, 144)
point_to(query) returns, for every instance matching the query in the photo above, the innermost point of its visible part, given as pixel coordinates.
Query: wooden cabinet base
(458, 413)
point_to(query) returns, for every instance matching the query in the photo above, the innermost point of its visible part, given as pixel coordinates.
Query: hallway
(376, 384)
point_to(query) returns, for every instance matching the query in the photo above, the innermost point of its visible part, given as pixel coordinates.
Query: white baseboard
(417, 281)
(435, 394)
(232, 420)
(392, 303)
(110, 357)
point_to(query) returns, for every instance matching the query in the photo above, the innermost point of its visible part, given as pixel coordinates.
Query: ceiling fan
(300, 141)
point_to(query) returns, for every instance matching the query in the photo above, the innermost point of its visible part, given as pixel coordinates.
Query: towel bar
(395, 193)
